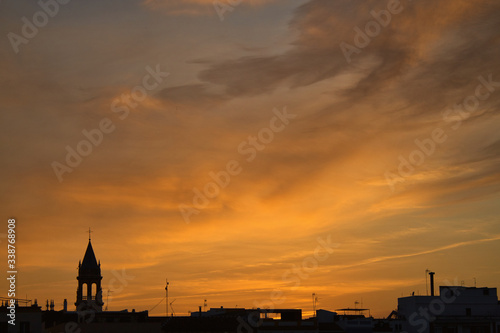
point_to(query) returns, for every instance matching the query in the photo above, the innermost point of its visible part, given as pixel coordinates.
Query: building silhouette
(457, 309)
(89, 292)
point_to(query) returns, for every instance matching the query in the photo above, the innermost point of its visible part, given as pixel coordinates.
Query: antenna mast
(166, 295)
(315, 301)
(107, 299)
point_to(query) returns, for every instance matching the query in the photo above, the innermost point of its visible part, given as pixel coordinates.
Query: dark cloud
(193, 94)
(427, 59)
(428, 51)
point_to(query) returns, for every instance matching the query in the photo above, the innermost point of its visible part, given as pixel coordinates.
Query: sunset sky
(369, 126)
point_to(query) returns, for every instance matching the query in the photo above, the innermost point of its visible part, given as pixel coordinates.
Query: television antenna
(315, 302)
(107, 299)
(166, 296)
(172, 308)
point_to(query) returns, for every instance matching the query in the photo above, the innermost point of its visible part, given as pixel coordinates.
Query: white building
(455, 310)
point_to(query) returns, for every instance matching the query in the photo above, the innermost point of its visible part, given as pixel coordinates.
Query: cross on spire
(89, 233)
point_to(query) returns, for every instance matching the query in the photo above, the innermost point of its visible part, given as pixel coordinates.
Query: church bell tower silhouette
(89, 281)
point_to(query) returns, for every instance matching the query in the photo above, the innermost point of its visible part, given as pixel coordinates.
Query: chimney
(431, 274)
(65, 304)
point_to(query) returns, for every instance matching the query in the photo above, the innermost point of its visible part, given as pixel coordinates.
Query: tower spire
(89, 291)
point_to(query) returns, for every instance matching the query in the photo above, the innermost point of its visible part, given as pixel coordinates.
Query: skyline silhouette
(455, 309)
